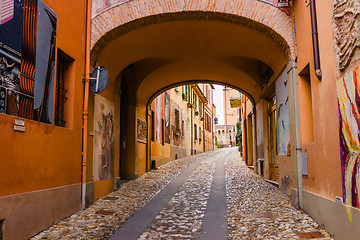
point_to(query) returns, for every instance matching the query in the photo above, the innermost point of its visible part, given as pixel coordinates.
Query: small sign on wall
(19, 125)
(304, 163)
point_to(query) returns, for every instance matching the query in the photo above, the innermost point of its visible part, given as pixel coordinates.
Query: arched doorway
(241, 47)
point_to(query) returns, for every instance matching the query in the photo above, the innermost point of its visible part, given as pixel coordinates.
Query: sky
(219, 102)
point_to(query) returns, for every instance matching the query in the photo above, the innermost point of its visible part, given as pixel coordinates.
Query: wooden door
(273, 161)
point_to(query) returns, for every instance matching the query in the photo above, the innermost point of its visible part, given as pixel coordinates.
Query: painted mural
(348, 91)
(27, 71)
(282, 108)
(346, 26)
(260, 131)
(103, 165)
(141, 131)
(167, 116)
(158, 118)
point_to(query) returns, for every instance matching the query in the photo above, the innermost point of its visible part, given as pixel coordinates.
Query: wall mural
(282, 107)
(27, 71)
(260, 130)
(167, 116)
(347, 34)
(158, 117)
(141, 131)
(103, 165)
(348, 90)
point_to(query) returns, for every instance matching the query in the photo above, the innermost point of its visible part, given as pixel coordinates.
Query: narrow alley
(213, 195)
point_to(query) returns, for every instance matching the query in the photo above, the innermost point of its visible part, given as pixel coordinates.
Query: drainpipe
(297, 133)
(315, 40)
(192, 131)
(203, 111)
(86, 101)
(254, 140)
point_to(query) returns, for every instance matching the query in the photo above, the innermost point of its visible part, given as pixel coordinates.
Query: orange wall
(102, 188)
(46, 156)
(323, 153)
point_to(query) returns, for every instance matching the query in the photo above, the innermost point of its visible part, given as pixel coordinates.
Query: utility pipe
(244, 134)
(203, 141)
(254, 140)
(86, 102)
(315, 40)
(297, 132)
(192, 125)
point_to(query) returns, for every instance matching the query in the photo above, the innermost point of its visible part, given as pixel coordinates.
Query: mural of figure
(167, 116)
(107, 146)
(103, 165)
(282, 107)
(158, 118)
(348, 91)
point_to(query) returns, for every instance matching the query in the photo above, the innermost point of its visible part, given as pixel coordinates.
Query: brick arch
(124, 16)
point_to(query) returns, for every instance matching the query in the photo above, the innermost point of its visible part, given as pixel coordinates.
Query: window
(183, 128)
(200, 108)
(177, 123)
(64, 63)
(305, 106)
(152, 126)
(163, 131)
(195, 135)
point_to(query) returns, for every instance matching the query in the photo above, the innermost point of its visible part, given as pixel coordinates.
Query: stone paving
(258, 210)
(182, 217)
(255, 208)
(109, 213)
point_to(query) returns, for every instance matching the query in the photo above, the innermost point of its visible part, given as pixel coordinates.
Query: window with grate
(163, 131)
(152, 126)
(64, 63)
(177, 123)
(195, 135)
(183, 128)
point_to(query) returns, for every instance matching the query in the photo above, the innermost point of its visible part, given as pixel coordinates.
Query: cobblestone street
(184, 199)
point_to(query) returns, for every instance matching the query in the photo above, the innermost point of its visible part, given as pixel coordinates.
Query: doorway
(273, 161)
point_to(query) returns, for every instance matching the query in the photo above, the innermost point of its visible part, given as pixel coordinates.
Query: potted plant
(189, 105)
(184, 97)
(202, 119)
(196, 113)
(199, 140)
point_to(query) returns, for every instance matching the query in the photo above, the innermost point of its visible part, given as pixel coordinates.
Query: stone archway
(113, 18)
(169, 43)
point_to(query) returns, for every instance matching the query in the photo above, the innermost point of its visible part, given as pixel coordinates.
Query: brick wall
(116, 19)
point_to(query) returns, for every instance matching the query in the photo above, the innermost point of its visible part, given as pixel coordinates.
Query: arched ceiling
(167, 53)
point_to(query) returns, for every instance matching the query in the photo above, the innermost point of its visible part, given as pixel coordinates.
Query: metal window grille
(63, 64)
(152, 126)
(177, 123)
(60, 94)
